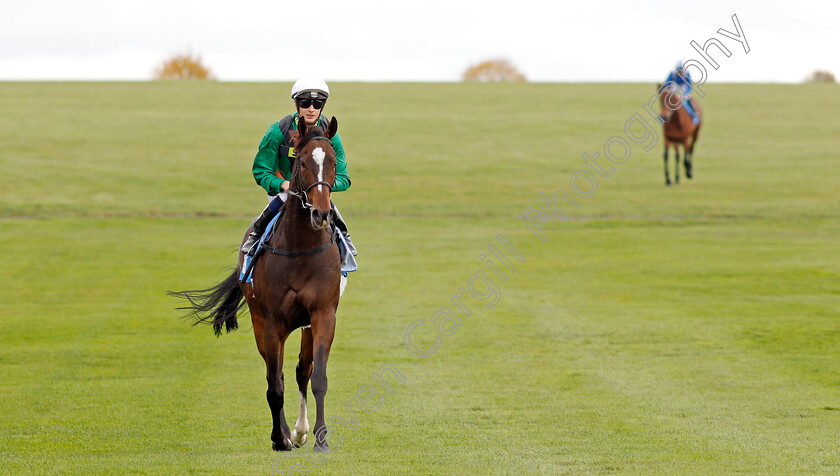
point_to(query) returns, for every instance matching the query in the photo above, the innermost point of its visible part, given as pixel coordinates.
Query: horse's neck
(295, 232)
(680, 119)
(683, 118)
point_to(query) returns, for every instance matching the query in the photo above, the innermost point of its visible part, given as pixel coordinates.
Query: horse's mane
(311, 133)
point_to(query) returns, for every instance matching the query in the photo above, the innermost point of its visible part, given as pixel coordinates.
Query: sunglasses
(305, 103)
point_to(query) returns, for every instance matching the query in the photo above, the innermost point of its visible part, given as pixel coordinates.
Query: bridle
(307, 205)
(296, 180)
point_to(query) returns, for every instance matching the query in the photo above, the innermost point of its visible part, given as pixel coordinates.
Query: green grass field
(691, 329)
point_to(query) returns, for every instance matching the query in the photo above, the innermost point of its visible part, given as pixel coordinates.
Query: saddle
(348, 261)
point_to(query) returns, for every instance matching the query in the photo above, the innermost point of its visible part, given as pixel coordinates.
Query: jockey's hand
(285, 186)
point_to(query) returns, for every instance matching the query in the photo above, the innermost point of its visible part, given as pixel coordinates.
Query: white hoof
(298, 439)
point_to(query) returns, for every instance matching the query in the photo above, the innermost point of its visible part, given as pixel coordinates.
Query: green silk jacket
(268, 160)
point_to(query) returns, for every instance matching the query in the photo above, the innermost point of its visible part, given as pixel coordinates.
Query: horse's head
(314, 172)
(670, 98)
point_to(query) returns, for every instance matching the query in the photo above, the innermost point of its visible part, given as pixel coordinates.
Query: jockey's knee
(275, 203)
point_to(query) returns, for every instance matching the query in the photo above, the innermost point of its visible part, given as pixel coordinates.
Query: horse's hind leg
(303, 372)
(275, 339)
(665, 157)
(323, 331)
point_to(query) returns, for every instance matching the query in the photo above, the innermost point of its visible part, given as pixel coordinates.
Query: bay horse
(295, 284)
(679, 130)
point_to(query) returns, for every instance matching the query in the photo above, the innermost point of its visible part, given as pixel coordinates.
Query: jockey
(682, 81)
(272, 164)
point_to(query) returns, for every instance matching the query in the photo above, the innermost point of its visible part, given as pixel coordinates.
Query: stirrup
(259, 225)
(250, 245)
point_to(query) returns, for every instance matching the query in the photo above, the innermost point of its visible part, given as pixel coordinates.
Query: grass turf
(687, 329)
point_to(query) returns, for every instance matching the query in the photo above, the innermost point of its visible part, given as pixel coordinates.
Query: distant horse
(679, 129)
(295, 284)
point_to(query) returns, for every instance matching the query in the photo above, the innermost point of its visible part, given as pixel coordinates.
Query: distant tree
(820, 76)
(183, 66)
(493, 70)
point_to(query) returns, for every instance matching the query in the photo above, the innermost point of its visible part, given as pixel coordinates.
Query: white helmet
(314, 87)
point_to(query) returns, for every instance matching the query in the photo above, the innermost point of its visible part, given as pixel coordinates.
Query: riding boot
(342, 225)
(694, 107)
(259, 225)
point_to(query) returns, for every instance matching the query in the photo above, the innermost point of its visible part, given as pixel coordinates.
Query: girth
(293, 254)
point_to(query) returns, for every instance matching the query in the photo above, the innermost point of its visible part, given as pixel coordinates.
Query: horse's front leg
(303, 372)
(323, 331)
(275, 340)
(689, 156)
(676, 164)
(687, 163)
(665, 159)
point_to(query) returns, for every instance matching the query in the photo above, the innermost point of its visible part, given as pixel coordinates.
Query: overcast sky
(433, 40)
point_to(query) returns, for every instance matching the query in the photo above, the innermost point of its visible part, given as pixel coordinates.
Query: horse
(679, 128)
(295, 285)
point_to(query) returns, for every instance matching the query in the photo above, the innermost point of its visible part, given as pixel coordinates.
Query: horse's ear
(658, 86)
(333, 127)
(301, 126)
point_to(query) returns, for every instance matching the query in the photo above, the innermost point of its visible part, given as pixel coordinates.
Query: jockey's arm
(342, 179)
(265, 162)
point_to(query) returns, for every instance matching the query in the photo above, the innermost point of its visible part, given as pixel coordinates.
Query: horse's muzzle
(319, 219)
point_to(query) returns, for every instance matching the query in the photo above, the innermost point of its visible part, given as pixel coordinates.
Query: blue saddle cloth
(348, 261)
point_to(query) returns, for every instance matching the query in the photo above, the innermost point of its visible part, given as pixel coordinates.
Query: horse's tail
(218, 305)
